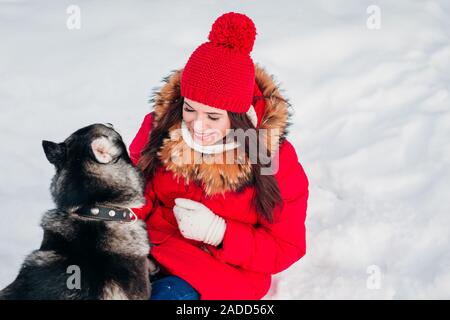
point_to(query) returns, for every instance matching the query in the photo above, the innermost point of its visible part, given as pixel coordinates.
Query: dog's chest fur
(100, 237)
(111, 257)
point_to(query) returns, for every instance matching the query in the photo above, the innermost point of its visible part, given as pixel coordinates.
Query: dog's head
(93, 168)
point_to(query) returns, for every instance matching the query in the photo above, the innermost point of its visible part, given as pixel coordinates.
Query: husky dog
(93, 245)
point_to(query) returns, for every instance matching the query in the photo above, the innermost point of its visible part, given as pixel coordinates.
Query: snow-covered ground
(371, 122)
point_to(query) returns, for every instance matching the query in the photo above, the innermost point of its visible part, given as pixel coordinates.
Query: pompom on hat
(220, 72)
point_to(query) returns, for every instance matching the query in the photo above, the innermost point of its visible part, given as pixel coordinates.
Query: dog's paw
(153, 267)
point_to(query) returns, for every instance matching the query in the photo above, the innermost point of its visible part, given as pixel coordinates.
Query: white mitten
(197, 222)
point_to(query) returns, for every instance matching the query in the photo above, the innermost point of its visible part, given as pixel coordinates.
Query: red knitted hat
(220, 73)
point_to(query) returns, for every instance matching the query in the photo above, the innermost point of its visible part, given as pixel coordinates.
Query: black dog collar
(107, 213)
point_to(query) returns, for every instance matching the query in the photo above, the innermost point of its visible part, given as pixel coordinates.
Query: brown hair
(149, 160)
(267, 193)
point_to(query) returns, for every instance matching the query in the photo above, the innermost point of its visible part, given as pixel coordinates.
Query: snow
(371, 123)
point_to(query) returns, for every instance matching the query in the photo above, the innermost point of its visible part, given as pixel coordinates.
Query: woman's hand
(197, 222)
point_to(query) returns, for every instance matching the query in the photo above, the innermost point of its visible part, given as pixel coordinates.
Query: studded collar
(107, 213)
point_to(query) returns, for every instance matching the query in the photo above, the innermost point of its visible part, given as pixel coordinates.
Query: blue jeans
(172, 288)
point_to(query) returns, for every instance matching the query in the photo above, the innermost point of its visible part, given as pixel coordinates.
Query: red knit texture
(220, 73)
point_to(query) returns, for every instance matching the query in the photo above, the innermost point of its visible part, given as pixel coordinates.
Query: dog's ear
(55, 152)
(104, 150)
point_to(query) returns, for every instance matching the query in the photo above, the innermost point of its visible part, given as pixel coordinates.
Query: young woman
(219, 221)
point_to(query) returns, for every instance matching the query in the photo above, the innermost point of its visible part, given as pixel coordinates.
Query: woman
(220, 229)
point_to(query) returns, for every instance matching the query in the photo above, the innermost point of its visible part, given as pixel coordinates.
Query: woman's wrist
(216, 231)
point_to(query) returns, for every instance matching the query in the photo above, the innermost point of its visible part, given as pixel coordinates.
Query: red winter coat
(252, 249)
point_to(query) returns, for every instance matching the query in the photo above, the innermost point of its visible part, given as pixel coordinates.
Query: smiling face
(206, 124)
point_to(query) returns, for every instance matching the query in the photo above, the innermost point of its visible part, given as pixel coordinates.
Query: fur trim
(213, 172)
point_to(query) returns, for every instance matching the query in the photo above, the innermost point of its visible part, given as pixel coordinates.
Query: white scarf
(208, 149)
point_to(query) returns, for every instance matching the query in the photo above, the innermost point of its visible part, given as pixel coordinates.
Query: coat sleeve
(272, 248)
(136, 146)
(141, 138)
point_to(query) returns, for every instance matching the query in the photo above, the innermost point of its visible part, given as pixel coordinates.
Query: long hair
(267, 194)
(149, 160)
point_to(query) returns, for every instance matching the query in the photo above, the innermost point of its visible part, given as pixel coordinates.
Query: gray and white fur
(92, 168)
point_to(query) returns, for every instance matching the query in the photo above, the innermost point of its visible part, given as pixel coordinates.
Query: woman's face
(206, 124)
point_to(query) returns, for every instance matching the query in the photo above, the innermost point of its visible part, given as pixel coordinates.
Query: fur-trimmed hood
(210, 170)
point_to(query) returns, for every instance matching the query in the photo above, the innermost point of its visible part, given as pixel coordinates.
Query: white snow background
(371, 122)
